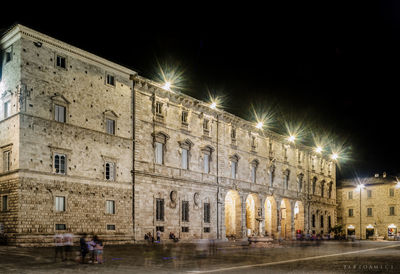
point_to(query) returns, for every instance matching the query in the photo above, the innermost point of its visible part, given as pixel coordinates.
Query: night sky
(336, 69)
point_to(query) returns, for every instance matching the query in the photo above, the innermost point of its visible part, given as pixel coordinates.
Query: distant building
(89, 146)
(379, 203)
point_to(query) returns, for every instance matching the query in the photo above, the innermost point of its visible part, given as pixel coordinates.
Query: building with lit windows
(371, 204)
(89, 146)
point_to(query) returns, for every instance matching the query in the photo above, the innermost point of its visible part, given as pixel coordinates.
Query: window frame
(7, 161)
(7, 109)
(207, 213)
(112, 171)
(185, 211)
(57, 203)
(390, 211)
(108, 77)
(61, 57)
(160, 210)
(55, 154)
(369, 212)
(111, 210)
(4, 201)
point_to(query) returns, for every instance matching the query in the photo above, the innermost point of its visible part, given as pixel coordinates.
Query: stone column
(292, 228)
(278, 215)
(262, 224)
(244, 227)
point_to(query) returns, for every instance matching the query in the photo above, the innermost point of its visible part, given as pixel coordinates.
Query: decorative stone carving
(196, 199)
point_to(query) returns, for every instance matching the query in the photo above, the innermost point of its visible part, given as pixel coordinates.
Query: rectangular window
(61, 62)
(206, 230)
(110, 227)
(158, 108)
(233, 133)
(233, 169)
(207, 213)
(369, 193)
(185, 158)
(391, 210)
(185, 229)
(160, 209)
(6, 160)
(59, 113)
(313, 220)
(110, 207)
(184, 117)
(160, 228)
(60, 163)
(206, 126)
(185, 211)
(4, 203)
(8, 55)
(350, 212)
(159, 151)
(206, 162)
(369, 211)
(322, 221)
(329, 222)
(110, 126)
(60, 203)
(253, 174)
(110, 80)
(61, 227)
(350, 195)
(7, 109)
(391, 192)
(110, 171)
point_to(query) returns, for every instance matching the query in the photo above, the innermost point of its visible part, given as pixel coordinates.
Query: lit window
(110, 126)
(6, 160)
(59, 113)
(110, 80)
(7, 109)
(61, 62)
(110, 207)
(60, 163)
(60, 203)
(185, 159)
(159, 153)
(110, 171)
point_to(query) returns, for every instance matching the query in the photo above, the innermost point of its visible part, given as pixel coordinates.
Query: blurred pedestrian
(98, 249)
(84, 247)
(68, 243)
(91, 244)
(158, 235)
(58, 243)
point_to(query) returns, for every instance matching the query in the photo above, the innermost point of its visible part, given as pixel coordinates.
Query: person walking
(91, 244)
(98, 250)
(158, 235)
(68, 242)
(84, 247)
(58, 243)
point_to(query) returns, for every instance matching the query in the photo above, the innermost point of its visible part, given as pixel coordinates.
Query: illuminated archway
(285, 219)
(270, 216)
(299, 217)
(252, 213)
(233, 214)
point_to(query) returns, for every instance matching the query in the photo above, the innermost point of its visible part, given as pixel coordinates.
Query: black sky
(336, 68)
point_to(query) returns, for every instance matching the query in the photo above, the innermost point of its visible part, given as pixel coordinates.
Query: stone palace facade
(89, 146)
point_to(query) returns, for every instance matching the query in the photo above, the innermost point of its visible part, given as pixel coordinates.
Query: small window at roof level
(61, 62)
(110, 80)
(8, 54)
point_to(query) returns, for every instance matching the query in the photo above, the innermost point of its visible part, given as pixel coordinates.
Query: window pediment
(59, 98)
(186, 144)
(110, 113)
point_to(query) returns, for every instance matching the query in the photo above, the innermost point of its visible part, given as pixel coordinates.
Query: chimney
(384, 175)
(376, 175)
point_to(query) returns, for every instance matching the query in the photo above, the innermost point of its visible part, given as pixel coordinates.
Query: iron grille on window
(207, 213)
(160, 209)
(185, 211)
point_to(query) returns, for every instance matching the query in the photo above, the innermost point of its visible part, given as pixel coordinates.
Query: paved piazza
(294, 257)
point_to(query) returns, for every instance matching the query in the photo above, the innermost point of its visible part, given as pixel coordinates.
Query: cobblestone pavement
(294, 257)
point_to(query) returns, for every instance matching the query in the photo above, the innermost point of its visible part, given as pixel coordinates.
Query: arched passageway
(233, 213)
(252, 214)
(285, 219)
(298, 217)
(270, 216)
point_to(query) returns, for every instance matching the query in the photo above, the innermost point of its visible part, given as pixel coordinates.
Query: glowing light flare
(260, 125)
(292, 138)
(318, 149)
(334, 156)
(167, 85)
(360, 186)
(213, 105)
